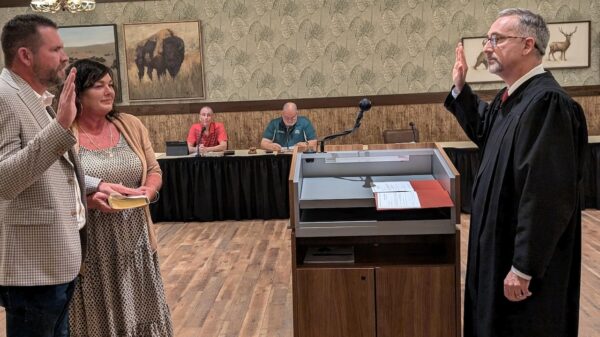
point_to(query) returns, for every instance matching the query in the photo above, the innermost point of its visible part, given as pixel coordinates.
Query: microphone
(414, 131)
(364, 105)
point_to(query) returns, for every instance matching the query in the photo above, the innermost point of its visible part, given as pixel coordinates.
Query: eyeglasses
(495, 39)
(290, 119)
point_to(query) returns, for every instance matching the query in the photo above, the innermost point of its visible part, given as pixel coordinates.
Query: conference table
(255, 186)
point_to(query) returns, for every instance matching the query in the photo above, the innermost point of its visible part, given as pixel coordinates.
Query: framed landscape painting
(97, 42)
(164, 60)
(477, 62)
(569, 45)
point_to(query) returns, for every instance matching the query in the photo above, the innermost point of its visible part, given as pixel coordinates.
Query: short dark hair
(88, 73)
(22, 31)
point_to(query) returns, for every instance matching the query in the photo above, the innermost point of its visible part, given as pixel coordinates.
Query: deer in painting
(561, 46)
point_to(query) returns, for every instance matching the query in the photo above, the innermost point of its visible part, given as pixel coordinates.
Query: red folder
(431, 194)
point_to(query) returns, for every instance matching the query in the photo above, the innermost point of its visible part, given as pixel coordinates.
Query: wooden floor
(232, 279)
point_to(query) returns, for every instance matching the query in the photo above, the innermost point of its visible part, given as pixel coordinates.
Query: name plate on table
(213, 154)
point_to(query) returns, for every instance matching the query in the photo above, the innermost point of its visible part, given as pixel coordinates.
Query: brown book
(117, 201)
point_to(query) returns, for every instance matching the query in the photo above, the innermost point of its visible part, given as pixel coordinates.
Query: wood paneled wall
(245, 128)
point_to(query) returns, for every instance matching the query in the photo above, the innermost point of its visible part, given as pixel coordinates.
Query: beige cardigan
(137, 137)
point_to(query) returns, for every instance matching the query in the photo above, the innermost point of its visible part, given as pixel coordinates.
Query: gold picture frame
(164, 60)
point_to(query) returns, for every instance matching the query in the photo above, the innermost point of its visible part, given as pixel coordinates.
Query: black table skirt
(466, 161)
(223, 188)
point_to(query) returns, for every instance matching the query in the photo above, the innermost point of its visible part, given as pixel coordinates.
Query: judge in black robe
(526, 206)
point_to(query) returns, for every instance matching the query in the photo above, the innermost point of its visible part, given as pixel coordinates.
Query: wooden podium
(357, 271)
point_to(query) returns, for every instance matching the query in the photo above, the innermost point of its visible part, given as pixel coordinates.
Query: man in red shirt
(207, 136)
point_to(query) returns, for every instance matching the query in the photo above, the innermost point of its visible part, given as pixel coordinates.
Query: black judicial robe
(526, 209)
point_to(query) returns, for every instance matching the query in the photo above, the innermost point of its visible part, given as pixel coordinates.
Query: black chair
(401, 136)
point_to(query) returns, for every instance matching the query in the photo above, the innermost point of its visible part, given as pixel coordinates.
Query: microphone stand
(198, 140)
(414, 132)
(364, 105)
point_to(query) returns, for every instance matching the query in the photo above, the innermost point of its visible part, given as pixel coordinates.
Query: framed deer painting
(477, 62)
(569, 45)
(164, 60)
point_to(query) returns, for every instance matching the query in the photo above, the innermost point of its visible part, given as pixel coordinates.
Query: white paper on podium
(392, 186)
(397, 200)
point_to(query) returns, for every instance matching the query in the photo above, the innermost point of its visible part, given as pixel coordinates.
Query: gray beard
(495, 68)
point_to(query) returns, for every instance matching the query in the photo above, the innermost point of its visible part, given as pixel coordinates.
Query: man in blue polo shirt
(288, 131)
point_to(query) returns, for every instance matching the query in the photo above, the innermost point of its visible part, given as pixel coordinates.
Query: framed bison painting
(477, 62)
(164, 60)
(569, 45)
(98, 42)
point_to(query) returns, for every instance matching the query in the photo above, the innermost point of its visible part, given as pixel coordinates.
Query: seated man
(207, 136)
(289, 130)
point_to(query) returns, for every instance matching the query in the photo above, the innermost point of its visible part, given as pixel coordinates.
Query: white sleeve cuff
(520, 274)
(455, 92)
(91, 184)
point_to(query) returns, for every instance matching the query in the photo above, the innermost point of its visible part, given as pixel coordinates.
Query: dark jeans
(39, 311)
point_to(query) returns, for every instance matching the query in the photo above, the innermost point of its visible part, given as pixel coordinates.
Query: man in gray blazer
(42, 189)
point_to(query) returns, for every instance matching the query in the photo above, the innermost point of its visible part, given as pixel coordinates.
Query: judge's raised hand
(516, 288)
(459, 72)
(66, 105)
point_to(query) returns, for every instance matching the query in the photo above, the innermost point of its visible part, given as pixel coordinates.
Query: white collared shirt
(46, 100)
(539, 69)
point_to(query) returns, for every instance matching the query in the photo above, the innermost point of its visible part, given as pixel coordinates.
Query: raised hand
(66, 104)
(459, 72)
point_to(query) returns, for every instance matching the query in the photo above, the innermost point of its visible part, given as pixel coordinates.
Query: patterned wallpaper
(270, 49)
